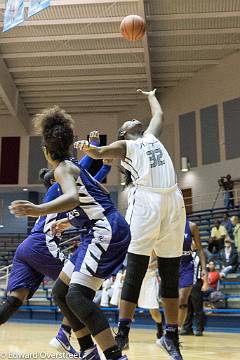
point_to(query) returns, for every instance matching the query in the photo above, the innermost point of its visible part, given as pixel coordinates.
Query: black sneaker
(172, 347)
(122, 340)
(198, 333)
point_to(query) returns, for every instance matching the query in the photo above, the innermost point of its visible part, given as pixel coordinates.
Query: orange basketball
(133, 27)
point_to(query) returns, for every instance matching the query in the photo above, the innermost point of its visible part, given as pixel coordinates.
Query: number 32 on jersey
(155, 157)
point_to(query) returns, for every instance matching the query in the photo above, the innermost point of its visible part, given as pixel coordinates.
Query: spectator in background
(228, 224)
(227, 183)
(213, 277)
(236, 232)
(228, 258)
(218, 235)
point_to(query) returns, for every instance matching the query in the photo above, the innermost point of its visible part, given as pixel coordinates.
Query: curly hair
(55, 125)
(46, 177)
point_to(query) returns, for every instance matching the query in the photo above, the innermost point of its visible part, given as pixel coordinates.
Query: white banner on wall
(37, 5)
(14, 14)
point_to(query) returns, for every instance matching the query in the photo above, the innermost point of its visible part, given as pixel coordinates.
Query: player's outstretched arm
(156, 123)
(116, 150)
(65, 176)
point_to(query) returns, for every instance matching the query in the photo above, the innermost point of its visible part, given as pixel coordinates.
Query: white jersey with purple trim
(149, 163)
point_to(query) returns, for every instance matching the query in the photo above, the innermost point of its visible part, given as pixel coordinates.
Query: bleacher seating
(9, 243)
(205, 219)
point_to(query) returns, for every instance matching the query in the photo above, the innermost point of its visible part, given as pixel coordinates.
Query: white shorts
(149, 294)
(157, 221)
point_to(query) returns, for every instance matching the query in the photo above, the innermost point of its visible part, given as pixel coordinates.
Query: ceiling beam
(142, 12)
(71, 79)
(78, 98)
(203, 47)
(101, 86)
(89, 109)
(69, 107)
(76, 67)
(11, 97)
(190, 32)
(82, 93)
(70, 21)
(191, 16)
(78, 104)
(173, 76)
(55, 38)
(170, 63)
(79, 2)
(39, 54)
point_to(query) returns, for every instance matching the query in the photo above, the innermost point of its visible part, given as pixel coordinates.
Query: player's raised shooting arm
(156, 123)
(116, 150)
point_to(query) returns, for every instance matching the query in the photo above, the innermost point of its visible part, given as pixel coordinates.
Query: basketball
(133, 27)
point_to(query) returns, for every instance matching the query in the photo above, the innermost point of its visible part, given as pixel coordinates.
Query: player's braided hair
(55, 125)
(126, 173)
(46, 177)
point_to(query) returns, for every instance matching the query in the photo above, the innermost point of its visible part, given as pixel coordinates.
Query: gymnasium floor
(33, 338)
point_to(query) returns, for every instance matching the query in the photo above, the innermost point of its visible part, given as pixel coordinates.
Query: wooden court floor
(34, 338)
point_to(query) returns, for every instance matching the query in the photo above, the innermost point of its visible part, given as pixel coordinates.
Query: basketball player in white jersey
(156, 215)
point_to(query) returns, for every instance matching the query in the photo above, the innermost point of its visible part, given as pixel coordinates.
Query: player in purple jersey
(187, 267)
(103, 249)
(39, 255)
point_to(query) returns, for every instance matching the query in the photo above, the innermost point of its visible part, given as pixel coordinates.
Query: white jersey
(149, 163)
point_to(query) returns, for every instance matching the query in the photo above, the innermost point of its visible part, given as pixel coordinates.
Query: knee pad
(8, 308)
(169, 274)
(183, 306)
(80, 301)
(136, 269)
(59, 293)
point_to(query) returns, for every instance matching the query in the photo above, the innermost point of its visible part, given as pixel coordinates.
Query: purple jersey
(187, 244)
(94, 199)
(186, 270)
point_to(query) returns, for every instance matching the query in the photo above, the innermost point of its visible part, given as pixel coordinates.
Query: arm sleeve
(87, 161)
(102, 173)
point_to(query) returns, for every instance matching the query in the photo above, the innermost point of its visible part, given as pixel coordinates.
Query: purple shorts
(186, 273)
(32, 262)
(104, 248)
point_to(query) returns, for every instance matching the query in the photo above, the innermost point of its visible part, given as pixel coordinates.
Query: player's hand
(24, 208)
(147, 93)
(60, 226)
(107, 162)
(94, 137)
(81, 145)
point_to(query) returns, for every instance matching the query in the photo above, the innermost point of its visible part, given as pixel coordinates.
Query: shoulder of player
(66, 167)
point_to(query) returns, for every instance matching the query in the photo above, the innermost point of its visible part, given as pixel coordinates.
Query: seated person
(213, 278)
(236, 231)
(228, 224)
(228, 258)
(218, 235)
